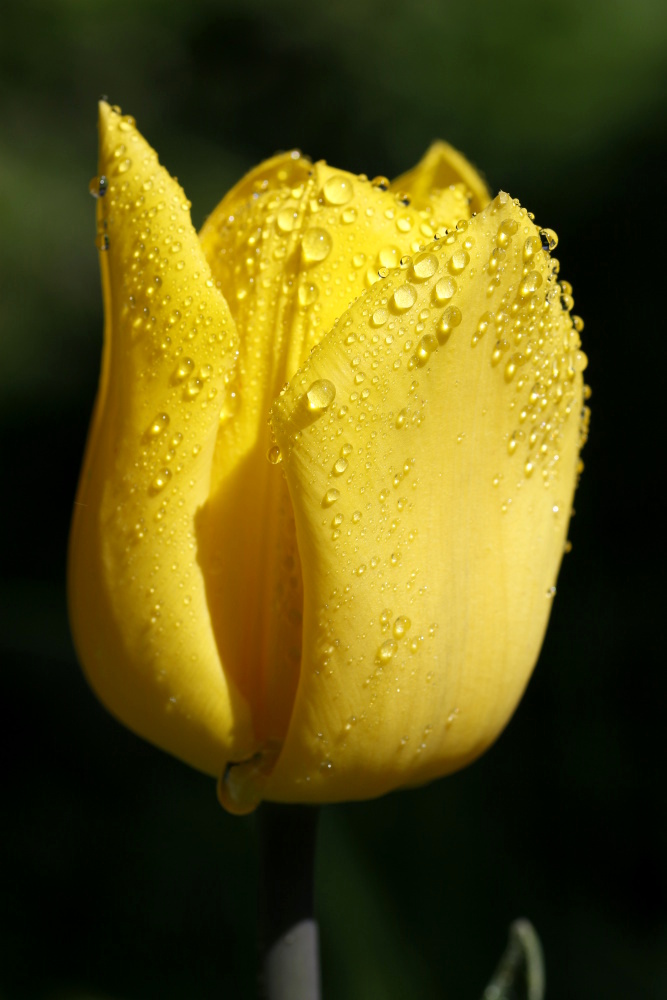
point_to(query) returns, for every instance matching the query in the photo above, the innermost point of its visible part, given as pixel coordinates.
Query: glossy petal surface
(429, 560)
(290, 247)
(138, 603)
(330, 470)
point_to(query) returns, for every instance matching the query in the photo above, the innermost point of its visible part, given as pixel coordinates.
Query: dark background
(120, 876)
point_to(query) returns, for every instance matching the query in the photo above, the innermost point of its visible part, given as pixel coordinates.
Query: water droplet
(530, 284)
(274, 455)
(451, 317)
(401, 419)
(482, 327)
(404, 297)
(348, 215)
(98, 186)
(380, 182)
(316, 245)
(308, 293)
(401, 626)
(194, 387)
(379, 317)
(506, 231)
(184, 369)
(102, 241)
(424, 266)
(386, 651)
(160, 424)
(160, 480)
(231, 403)
(340, 465)
(549, 239)
(338, 190)
(444, 289)
(124, 165)
(532, 246)
(425, 348)
(320, 395)
(287, 220)
(330, 497)
(459, 261)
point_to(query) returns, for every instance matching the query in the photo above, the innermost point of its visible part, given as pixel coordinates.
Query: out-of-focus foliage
(120, 874)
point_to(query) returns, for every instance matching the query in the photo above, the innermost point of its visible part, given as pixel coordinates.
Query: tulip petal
(290, 247)
(432, 501)
(138, 603)
(443, 171)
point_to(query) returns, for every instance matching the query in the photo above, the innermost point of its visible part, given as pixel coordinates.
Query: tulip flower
(330, 470)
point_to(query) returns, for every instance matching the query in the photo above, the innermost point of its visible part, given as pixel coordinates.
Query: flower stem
(520, 973)
(288, 930)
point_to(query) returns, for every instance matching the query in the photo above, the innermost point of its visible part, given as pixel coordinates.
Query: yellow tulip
(330, 470)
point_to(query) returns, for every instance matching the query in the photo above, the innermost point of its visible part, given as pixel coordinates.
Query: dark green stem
(288, 930)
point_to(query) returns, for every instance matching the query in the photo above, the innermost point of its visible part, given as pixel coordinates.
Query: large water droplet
(459, 261)
(549, 239)
(316, 245)
(386, 651)
(98, 186)
(160, 424)
(444, 289)
(184, 369)
(404, 297)
(530, 284)
(320, 395)
(338, 190)
(330, 497)
(506, 231)
(401, 626)
(287, 220)
(424, 266)
(451, 317)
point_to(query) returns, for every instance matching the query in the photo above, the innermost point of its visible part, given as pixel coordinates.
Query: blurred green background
(120, 877)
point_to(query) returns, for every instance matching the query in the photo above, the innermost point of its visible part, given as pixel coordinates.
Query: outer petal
(443, 171)
(432, 501)
(138, 602)
(290, 247)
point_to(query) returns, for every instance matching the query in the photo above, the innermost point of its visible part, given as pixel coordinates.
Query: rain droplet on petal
(451, 317)
(98, 186)
(316, 245)
(459, 261)
(184, 369)
(444, 289)
(160, 424)
(401, 626)
(549, 239)
(330, 497)
(506, 231)
(338, 190)
(404, 297)
(530, 284)
(320, 395)
(424, 266)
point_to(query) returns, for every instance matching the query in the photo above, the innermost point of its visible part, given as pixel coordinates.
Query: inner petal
(290, 248)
